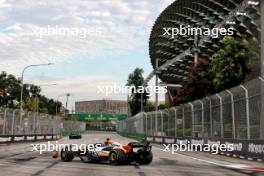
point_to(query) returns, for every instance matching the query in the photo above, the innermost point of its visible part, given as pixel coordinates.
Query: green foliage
(11, 87)
(163, 106)
(230, 63)
(236, 61)
(198, 85)
(30, 104)
(35, 90)
(31, 96)
(136, 79)
(149, 107)
(136, 136)
(47, 105)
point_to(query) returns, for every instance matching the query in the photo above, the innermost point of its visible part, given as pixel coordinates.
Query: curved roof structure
(173, 54)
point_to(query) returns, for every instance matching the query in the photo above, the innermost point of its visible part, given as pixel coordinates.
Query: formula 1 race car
(75, 135)
(114, 154)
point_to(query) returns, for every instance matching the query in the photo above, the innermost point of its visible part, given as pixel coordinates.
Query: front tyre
(67, 155)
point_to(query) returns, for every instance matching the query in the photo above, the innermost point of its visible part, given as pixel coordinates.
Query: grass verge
(136, 136)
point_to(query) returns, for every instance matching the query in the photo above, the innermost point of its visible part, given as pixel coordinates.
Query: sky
(91, 43)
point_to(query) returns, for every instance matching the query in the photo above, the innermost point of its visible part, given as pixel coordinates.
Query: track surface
(19, 160)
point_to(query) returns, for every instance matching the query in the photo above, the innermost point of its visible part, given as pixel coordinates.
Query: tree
(149, 107)
(11, 88)
(30, 104)
(48, 105)
(199, 83)
(35, 90)
(136, 80)
(230, 63)
(163, 106)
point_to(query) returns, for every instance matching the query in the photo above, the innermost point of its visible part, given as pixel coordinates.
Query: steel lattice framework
(175, 54)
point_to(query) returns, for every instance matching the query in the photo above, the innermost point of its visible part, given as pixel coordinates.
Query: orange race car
(113, 153)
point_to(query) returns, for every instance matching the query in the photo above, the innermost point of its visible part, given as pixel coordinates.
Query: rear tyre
(144, 157)
(116, 157)
(67, 155)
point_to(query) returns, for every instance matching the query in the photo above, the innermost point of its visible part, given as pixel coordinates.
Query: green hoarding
(84, 117)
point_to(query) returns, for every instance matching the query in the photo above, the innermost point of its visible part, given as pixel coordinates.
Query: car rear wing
(139, 145)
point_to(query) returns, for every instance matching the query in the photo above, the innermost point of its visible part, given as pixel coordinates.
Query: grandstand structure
(235, 115)
(171, 56)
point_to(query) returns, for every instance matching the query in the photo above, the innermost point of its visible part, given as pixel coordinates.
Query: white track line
(231, 165)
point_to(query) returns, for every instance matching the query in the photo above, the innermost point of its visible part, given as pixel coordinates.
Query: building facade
(101, 107)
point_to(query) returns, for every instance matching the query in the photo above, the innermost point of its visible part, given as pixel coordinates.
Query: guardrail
(233, 115)
(27, 138)
(32, 126)
(244, 149)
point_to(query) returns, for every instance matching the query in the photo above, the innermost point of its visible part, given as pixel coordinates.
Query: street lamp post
(66, 104)
(22, 84)
(262, 72)
(156, 84)
(67, 99)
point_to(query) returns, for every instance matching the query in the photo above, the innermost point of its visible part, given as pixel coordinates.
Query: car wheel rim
(113, 157)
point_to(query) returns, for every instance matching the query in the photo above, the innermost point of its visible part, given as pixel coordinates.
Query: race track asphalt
(18, 160)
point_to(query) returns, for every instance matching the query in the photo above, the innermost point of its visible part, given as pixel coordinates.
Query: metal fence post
(34, 123)
(20, 119)
(247, 110)
(4, 125)
(261, 124)
(146, 125)
(221, 115)
(162, 128)
(151, 126)
(233, 113)
(175, 132)
(13, 121)
(262, 70)
(168, 122)
(211, 116)
(192, 109)
(156, 122)
(183, 122)
(200, 101)
(37, 123)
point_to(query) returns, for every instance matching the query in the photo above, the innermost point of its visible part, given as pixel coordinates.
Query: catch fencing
(33, 124)
(233, 114)
(73, 126)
